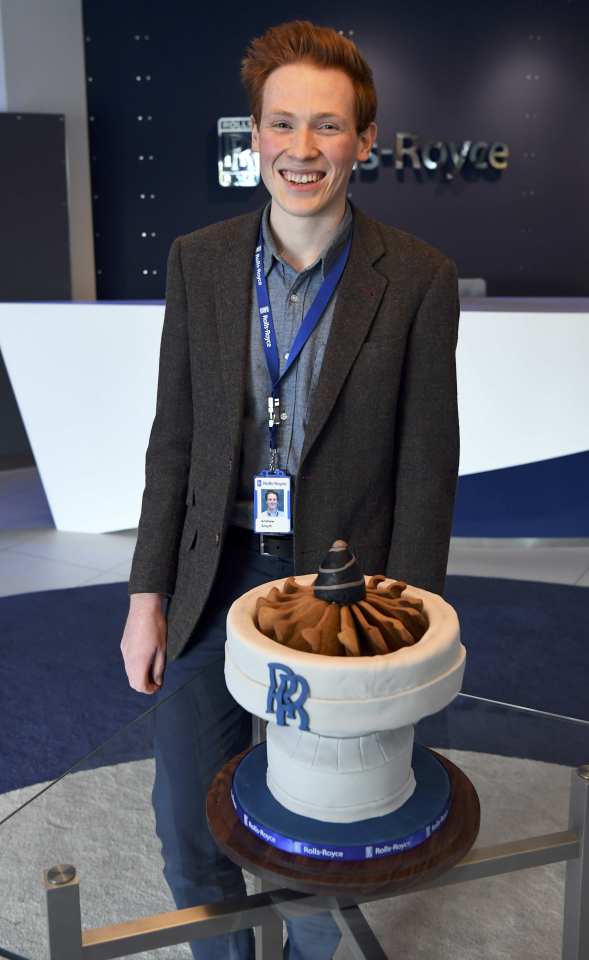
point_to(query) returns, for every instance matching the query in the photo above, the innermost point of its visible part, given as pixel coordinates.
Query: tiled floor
(38, 557)
(522, 560)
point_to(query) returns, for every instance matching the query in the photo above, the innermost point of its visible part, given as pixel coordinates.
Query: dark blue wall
(509, 71)
(543, 499)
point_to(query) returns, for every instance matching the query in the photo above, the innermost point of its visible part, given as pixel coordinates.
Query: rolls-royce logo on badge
(239, 165)
(287, 693)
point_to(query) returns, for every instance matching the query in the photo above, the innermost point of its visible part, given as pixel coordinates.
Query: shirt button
(284, 416)
(286, 356)
(293, 298)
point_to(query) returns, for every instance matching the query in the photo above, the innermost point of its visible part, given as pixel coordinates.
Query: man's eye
(328, 126)
(281, 124)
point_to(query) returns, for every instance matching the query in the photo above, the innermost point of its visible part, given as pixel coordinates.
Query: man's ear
(255, 134)
(366, 139)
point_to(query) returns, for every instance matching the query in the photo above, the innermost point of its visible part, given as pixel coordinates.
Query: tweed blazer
(380, 457)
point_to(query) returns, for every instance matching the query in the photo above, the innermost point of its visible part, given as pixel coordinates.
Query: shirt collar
(326, 258)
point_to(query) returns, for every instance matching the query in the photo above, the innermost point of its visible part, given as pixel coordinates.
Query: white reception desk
(85, 375)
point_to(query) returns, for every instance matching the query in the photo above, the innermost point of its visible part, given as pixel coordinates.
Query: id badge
(272, 502)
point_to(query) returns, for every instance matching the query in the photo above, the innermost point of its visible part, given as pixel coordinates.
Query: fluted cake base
(340, 780)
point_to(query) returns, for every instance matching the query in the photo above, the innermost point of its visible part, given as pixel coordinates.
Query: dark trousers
(196, 731)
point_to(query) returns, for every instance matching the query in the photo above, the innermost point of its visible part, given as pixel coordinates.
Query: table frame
(267, 908)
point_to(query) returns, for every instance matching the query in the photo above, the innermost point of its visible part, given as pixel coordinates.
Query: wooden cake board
(349, 879)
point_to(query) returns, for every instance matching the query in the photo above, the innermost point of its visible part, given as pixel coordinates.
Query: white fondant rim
(380, 691)
(353, 717)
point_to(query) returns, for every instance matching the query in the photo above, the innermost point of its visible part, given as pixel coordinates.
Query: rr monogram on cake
(282, 695)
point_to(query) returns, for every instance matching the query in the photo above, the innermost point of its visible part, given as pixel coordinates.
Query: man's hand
(144, 642)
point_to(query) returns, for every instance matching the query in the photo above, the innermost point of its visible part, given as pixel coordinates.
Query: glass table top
(98, 816)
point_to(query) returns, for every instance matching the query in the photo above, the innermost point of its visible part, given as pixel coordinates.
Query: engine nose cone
(340, 579)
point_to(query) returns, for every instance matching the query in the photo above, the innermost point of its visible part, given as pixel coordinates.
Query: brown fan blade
(288, 628)
(393, 632)
(348, 635)
(414, 620)
(393, 591)
(291, 586)
(373, 582)
(296, 642)
(323, 637)
(372, 638)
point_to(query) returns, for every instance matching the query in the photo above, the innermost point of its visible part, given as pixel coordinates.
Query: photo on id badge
(272, 504)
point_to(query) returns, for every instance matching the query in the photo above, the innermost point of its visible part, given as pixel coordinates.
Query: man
(363, 426)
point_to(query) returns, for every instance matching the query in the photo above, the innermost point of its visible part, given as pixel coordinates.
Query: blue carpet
(64, 690)
(527, 642)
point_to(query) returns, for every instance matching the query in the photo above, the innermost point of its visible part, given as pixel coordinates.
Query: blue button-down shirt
(291, 294)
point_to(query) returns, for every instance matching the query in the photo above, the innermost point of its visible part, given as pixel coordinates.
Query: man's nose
(302, 144)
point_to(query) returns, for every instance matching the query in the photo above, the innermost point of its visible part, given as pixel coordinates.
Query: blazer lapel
(233, 287)
(358, 297)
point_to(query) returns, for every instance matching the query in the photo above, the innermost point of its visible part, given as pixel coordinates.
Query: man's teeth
(301, 177)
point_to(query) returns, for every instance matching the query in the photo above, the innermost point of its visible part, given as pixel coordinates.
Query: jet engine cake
(342, 666)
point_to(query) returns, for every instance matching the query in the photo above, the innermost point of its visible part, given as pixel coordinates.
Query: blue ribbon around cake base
(412, 824)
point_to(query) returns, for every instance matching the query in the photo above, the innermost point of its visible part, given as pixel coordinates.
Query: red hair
(302, 41)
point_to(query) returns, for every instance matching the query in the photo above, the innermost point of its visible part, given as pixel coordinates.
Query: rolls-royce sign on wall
(239, 165)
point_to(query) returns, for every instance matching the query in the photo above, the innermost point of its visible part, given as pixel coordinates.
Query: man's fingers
(159, 663)
(138, 670)
(151, 689)
(143, 685)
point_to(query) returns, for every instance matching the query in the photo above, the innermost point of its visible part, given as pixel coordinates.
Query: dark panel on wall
(15, 449)
(160, 75)
(34, 236)
(34, 239)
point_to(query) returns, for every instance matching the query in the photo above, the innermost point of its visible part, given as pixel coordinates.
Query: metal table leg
(64, 918)
(358, 935)
(269, 935)
(258, 730)
(575, 939)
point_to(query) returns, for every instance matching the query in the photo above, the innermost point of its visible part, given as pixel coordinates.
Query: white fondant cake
(340, 731)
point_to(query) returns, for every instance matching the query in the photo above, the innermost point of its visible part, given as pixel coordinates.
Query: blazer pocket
(190, 531)
(193, 539)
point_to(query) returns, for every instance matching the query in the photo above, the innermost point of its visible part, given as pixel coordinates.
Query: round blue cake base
(409, 826)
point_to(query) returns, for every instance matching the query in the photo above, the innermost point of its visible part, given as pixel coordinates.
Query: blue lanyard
(310, 321)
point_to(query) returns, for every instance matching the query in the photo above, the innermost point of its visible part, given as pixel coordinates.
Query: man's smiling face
(307, 138)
